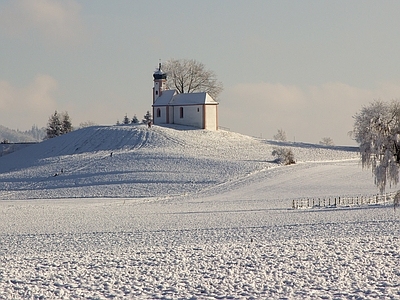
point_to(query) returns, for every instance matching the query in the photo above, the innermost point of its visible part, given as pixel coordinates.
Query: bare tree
(377, 131)
(87, 124)
(280, 136)
(190, 76)
(327, 141)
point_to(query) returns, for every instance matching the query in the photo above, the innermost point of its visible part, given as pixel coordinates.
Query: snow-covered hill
(130, 212)
(136, 161)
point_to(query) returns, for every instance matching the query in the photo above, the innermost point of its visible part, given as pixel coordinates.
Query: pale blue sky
(304, 66)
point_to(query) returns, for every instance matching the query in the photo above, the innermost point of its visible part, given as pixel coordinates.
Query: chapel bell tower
(160, 82)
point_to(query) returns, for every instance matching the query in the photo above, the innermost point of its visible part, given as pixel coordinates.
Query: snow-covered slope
(136, 161)
(176, 213)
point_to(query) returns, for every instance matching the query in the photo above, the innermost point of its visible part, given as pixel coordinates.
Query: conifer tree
(58, 124)
(126, 120)
(66, 123)
(135, 120)
(147, 117)
(54, 126)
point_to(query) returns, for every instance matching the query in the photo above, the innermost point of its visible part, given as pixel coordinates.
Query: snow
(181, 213)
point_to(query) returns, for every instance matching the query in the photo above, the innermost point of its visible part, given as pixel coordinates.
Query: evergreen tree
(147, 117)
(135, 120)
(54, 126)
(126, 120)
(58, 124)
(66, 123)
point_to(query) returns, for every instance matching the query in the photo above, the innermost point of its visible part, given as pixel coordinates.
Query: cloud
(306, 113)
(27, 105)
(56, 22)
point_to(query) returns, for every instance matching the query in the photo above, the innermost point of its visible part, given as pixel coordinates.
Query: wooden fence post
(383, 199)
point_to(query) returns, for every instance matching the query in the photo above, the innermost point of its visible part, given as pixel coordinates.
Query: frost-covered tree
(190, 76)
(396, 200)
(54, 126)
(280, 136)
(36, 133)
(377, 131)
(126, 120)
(66, 123)
(58, 124)
(87, 124)
(135, 120)
(284, 156)
(147, 117)
(326, 141)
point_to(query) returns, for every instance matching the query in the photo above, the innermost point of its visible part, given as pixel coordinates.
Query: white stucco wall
(211, 118)
(162, 119)
(192, 115)
(171, 114)
(200, 116)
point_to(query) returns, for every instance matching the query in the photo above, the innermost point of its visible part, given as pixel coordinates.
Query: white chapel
(198, 110)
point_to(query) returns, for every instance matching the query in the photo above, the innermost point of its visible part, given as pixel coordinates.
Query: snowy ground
(179, 214)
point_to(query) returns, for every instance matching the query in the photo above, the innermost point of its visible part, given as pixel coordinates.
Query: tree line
(126, 120)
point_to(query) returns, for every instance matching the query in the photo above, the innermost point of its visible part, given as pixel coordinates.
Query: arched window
(181, 112)
(158, 112)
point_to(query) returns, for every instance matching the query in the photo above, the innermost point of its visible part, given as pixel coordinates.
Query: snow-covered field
(172, 213)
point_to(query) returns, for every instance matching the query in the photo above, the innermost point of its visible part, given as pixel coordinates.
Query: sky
(306, 67)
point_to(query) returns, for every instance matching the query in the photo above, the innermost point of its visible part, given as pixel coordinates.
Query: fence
(380, 199)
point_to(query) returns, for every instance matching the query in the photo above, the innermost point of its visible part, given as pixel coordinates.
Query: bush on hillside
(284, 156)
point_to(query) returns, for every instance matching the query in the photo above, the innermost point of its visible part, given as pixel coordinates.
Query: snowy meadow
(130, 212)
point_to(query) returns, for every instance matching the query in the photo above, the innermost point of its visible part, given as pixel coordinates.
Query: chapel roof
(169, 97)
(165, 98)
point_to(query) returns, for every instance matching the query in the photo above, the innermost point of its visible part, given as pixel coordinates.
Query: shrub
(284, 156)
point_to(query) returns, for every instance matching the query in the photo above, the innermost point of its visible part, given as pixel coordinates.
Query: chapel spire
(160, 82)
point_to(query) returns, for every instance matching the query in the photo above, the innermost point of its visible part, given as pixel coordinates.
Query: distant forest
(8, 135)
